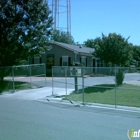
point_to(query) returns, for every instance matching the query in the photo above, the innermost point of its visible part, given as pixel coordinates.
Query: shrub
(119, 77)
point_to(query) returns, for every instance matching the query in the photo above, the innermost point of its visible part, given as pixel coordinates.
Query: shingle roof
(75, 48)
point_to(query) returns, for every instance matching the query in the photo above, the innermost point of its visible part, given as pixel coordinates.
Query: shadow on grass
(8, 85)
(3, 85)
(97, 88)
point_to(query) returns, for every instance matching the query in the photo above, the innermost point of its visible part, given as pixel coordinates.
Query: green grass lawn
(8, 86)
(126, 95)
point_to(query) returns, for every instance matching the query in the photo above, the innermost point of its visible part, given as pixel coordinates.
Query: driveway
(130, 78)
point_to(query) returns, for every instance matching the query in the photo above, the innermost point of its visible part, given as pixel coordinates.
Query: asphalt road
(33, 120)
(130, 78)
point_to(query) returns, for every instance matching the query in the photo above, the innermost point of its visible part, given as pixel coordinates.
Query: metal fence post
(115, 90)
(30, 75)
(83, 98)
(45, 75)
(66, 79)
(52, 83)
(75, 79)
(13, 78)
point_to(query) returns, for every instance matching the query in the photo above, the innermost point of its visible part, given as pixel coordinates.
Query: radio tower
(61, 13)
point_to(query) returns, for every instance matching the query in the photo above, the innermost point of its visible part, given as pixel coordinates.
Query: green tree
(113, 48)
(89, 43)
(136, 53)
(61, 36)
(24, 30)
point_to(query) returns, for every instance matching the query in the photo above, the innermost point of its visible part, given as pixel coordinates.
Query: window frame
(85, 60)
(67, 60)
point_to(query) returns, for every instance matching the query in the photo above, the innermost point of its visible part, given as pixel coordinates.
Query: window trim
(85, 59)
(65, 56)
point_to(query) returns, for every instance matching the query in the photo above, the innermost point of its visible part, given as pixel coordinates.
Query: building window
(36, 60)
(83, 60)
(40, 60)
(64, 60)
(32, 60)
(94, 62)
(100, 63)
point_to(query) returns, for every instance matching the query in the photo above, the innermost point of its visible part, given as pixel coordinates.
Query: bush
(119, 77)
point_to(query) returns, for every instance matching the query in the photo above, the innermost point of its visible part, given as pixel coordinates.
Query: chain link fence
(115, 86)
(22, 77)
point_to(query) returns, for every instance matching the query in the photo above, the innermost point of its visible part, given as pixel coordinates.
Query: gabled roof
(75, 48)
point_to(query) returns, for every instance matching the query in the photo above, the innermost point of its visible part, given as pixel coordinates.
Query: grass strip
(126, 95)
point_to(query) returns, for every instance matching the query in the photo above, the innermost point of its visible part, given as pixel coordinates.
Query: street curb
(94, 105)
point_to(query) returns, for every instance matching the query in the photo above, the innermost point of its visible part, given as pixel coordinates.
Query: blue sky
(91, 18)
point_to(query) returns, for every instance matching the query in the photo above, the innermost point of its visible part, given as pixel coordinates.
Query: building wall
(58, 52)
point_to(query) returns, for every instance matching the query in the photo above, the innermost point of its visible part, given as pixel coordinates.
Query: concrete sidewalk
(36, 94)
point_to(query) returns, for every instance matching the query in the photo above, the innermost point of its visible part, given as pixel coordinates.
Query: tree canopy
(89, 43)
(24, 30)
(112, 48)
(61, 36)
(136, 53)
